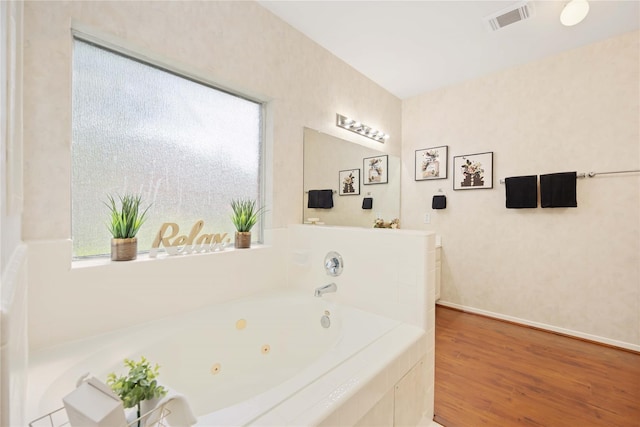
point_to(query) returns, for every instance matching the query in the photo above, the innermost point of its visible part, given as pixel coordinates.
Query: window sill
(162, 256)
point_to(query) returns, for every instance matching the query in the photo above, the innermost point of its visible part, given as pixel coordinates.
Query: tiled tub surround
(13, 338)
(391, 273)
(386, 271)
(87, 294)
(264, 360)
(388, 280)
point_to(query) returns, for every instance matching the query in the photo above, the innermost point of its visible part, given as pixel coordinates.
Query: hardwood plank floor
(493, 373)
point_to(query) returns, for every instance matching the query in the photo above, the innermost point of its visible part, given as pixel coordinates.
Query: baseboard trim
(544, 327)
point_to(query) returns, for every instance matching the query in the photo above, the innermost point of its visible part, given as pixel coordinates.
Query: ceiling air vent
(514, 13)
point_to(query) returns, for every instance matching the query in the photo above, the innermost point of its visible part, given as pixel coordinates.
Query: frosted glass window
(186, 147)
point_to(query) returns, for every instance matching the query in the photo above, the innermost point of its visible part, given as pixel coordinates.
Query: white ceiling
(411, 47)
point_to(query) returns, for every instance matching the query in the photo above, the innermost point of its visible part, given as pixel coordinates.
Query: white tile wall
(388, 272)
(143, 290)
(408, 412)
(14, 343)
(380, 415)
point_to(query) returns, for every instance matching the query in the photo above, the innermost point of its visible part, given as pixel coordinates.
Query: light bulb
(574, 12)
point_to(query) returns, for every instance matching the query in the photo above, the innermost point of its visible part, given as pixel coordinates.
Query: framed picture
(375, 170)
(473, 171)
(349, 184)
(431, 163)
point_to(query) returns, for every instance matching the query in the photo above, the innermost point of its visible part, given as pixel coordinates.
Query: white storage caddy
(93, 404)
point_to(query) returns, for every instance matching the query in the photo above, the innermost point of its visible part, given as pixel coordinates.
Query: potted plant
(245, 215)
(125, 222)
(138, 385)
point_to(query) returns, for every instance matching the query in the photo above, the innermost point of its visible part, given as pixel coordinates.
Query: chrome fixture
(325, 320)
(333, 264)
(345, 122)
(331, 287)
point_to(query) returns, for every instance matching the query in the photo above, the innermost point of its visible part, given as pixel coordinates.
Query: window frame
(185, 72)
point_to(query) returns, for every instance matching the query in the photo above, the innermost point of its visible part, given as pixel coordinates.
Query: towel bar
(592, 174)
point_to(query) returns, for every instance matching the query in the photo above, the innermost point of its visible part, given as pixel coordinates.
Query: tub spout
(331, 287)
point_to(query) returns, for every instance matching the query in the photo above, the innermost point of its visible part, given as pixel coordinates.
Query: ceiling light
(361, 129)
(574, 12)
(347, 121)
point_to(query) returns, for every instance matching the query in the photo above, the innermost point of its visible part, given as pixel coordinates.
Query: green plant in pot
(138, 385)
(125, 221)
(245, 215)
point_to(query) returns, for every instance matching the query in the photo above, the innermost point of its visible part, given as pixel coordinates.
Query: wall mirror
(353, 172)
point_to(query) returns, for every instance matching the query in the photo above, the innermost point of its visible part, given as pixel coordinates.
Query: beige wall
(576, 270)
(238, 45)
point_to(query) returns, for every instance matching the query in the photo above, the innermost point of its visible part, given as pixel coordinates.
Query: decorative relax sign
(187, 244)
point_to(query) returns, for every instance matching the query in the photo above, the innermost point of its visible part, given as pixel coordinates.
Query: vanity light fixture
(360, 128)
(574, 12)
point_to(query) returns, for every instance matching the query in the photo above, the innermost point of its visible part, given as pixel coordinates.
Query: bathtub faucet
(331, 287)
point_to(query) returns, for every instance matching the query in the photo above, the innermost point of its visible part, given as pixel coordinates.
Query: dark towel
(321, 199)
(439, 202)
(522, 191)
(367, 203)
(558, 190)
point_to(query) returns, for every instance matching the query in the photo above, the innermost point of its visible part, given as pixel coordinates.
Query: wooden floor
(494, 373)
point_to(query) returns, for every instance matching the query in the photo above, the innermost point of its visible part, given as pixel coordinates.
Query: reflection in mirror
(330, 162)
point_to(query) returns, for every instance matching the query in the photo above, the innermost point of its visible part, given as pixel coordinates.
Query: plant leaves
(127, 219)
(139, 384)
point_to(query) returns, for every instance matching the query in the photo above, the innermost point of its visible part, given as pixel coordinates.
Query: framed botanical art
(431, 163)
(349, 184)
(473, 171)
(375, 170)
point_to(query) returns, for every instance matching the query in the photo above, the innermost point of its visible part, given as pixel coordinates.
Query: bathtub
(264, 360)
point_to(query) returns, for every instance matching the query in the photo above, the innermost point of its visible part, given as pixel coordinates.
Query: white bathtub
(260, 361)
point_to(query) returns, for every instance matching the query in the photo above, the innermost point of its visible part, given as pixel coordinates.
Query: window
(185, 147)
